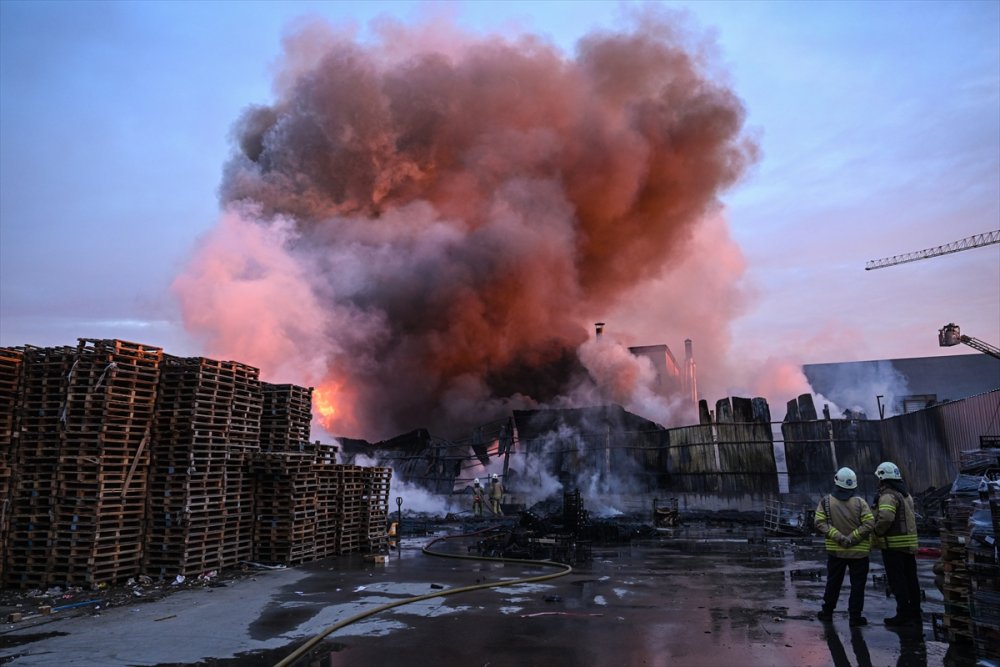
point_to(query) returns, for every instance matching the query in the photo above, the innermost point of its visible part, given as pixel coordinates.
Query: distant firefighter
(496, 494)
(477, 498)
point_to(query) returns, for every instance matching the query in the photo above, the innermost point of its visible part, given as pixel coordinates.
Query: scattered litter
(262, 566)
(179, 580)
(77, 604)
(557, 613)
(163, 618)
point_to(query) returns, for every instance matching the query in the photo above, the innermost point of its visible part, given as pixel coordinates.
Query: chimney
(690, 376)
(599, 328)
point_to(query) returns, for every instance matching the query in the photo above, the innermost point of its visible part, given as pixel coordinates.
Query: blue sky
(879, 124)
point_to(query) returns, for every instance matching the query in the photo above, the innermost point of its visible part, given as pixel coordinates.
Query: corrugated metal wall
(926, 444)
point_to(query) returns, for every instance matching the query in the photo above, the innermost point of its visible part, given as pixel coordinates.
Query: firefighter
(895, 534)
(477, 498)
(845, 520)
(496, 494)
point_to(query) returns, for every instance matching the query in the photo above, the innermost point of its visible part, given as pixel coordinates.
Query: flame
(331, 407)
(323, 402)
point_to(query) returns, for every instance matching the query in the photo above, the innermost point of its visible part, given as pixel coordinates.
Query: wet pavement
(695, 596)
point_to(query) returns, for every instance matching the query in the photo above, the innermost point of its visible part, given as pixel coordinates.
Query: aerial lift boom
(951, 334)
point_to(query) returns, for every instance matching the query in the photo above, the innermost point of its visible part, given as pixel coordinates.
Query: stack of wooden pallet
(954, 540)
(11, 365)
(351, 509)
(36, 461)
(374, 535)
(285, 503)
(286, 417)
(201, 497)
(99, 513)
(982, 557)
(244, 443)
(117, 460)
(327, 490)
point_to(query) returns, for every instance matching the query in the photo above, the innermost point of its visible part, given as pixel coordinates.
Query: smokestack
(599, 328)
(690, 376)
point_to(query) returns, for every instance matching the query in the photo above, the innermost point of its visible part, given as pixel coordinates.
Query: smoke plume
(447, 217)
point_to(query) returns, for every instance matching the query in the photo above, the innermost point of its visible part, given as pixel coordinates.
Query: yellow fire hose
(564, 570)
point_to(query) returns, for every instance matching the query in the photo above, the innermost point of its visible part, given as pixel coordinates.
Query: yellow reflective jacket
(895, 522)
(851, 517)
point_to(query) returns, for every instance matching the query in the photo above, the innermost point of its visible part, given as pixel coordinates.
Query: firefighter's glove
(845, 541)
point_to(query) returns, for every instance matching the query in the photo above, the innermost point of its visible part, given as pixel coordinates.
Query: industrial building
(916, 383)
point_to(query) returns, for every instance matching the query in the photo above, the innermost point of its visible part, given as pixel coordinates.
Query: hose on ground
(563, 571)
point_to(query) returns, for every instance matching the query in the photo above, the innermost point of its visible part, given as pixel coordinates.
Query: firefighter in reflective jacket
(477, 498)
(496, 494)
(845, 520)
(896, 535)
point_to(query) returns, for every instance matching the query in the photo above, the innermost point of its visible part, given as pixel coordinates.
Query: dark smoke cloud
(464, 213)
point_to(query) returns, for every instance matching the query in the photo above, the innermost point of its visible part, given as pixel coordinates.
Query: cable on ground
(564, 570)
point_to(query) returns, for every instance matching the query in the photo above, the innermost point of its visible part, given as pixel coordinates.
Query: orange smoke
(457, 217)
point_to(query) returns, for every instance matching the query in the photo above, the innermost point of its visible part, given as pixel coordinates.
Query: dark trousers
(901, 573)
(835, 570)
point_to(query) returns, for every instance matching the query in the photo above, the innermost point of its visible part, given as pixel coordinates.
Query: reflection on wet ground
(696, 596)
(858, 646)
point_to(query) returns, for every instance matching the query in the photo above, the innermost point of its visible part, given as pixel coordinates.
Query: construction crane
(968, 243)
(950, 335)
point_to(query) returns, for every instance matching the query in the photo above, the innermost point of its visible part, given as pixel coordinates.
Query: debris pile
(565, 536)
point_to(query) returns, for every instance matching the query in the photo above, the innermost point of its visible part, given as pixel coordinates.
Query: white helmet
(846, 479)
(888, 470)
(478, 483)
(496, 476)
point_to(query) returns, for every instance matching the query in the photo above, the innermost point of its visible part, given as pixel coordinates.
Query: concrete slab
(697, 596)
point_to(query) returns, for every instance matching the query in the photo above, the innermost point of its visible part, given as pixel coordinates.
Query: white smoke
(605, 478)
(415, 500)
(860, 387)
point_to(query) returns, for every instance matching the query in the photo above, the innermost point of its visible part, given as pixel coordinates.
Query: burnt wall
(729, 459)
(737, 462)
(815, 450)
